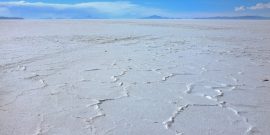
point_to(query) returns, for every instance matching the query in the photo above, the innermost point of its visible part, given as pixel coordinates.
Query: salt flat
(134, 77)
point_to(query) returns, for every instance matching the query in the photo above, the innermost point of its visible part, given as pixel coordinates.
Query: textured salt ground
(134, 77)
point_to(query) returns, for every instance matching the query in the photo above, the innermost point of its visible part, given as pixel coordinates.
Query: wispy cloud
(258, 6)
(241, 8)
(101, 9)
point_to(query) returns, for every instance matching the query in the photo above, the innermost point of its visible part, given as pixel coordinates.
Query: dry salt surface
(134, 77)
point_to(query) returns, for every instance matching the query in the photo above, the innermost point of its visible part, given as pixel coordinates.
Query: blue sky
(132, 8)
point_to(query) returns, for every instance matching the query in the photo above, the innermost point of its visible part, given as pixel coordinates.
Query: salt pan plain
(134, 77)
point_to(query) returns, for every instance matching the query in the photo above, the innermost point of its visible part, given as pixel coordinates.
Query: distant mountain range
(155, 17)
(238, 17)
(217, 17)
(10, 18)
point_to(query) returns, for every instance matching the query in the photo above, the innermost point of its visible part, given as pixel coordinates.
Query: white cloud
(111, 9)
(241, 8)
(258, 6)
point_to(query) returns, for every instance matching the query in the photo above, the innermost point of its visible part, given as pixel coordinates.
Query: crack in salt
(95, 69)
(250, 129)
(168, 123)
(39, 129)
(115, 78)
(165, 78)
(226, 105)
(25, 91)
